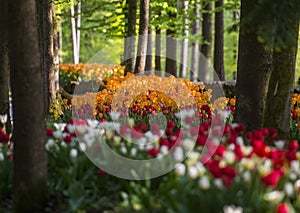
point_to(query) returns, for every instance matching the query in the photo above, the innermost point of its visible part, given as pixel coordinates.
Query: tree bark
(219, 42)
(30, 159)
(4, 65)
(157, 49)
(184, 48)
(148, 66)
(207, 42)
(129, 51)
(143, 37)
(278, 103)
(195, 45)
(254, 69)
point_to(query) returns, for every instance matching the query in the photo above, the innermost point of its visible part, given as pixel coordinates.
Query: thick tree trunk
(30, 159)
(219, 42)
(129, 51)
(278, 103)
(4, 65)
(254, 69)
(195, 45)
(157, 49)
(207, 42)
(148, 66)
(143, 37)
(184, 48)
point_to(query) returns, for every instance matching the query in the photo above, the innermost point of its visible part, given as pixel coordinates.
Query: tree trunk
(149, 51)
(195, 47)
(278, 103)
(207, 42)
(74, 34)
(171, 47)
(4, 65)
(129, 51)
(143, 37)
(157, 49)
(254, 69)
(219, 42)
(30, 159)
(184, 49)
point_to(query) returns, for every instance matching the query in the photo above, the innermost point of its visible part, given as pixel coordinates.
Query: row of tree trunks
(30, 162)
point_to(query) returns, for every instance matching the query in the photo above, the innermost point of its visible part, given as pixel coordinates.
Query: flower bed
(242, 171)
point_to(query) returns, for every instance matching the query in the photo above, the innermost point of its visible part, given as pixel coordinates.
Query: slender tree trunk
(157, 49)
(184, 49)
(149, 51)
(143, 37)
(74, 34)
(254, 69)
(278, 103)
(30, 159)
(195, 47)
(171, 47)
(78, 25)
(60, 43)
(129, 51)
(54, 73)
(219, 42)
(4, 65)
(207, 42)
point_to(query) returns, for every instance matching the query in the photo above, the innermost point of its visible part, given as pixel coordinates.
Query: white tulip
(192, 172)
(218, 183)
(274, 197)
(178, 154)
(50, 143)
(58, 134)
(289, 189)
(204, 183)
(180, 169)
(279, 144)
(164, 149)
(232, 209)
(73, 153)
(246, 176)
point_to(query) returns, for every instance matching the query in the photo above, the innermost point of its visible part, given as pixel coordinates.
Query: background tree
(195, 45)
(171, 44)
(143, 37)
(278, 102)
(254, 69)
(30, 164)
(75, 27)
(157, 49)
(148, 66)
(129, 51)
(184, 49)
(4, 65)
(206, 40)
(48, 46)
(219, 41)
